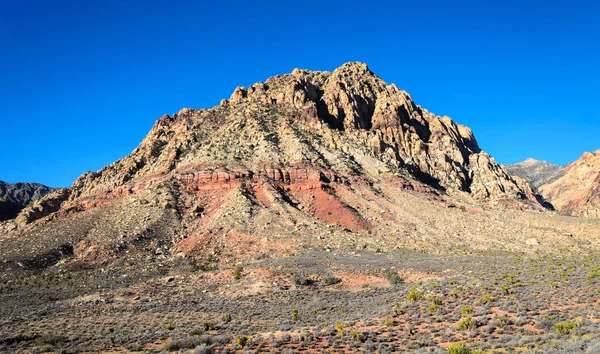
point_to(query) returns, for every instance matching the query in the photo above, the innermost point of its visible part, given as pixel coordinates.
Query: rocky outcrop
(14, 197)
(45, 206)
(353, 99)
(489, 180)
(577, 192)
(536, 172)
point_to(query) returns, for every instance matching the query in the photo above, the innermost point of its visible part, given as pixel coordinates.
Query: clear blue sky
(82, 82)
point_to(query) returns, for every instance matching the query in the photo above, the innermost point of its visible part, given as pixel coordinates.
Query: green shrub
(226, 317)
(242, 340)
(465, 324)
(295, 315)
(237, 272)
(340, 328)
(435, 299)
(415, 294)
(461, 348)
(467, 310)
(565, 327)
(486, 299)
(433, 308)
(357, 335)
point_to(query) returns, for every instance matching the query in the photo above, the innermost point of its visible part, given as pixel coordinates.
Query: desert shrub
(197, 332)
(565, 327)
(467, 310)
(433, 308)
(594, 273)
(435, 299)
(486, 299)
(389, 321)
(461, 348)
(340, 327)
(237, 272)
(545, 322)
(331, 280)
(221, 340)
(186, 343)
(415, 294)
(399, 308)
(203, 349)
(134, 347)
(301, 280)
(415, 344)
(262, 256)
(226, 318)
(242, 340)
(393, 277)
(465, 324)
(295, 315)
(50, 338)
(357, 335)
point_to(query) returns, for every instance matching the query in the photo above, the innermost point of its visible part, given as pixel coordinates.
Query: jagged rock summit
(321, 119)
(577, 192)
(14, 197)
(536, 172)
(298, 154)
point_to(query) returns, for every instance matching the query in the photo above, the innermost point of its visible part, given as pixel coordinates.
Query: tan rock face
(577, 192)
(301, 128)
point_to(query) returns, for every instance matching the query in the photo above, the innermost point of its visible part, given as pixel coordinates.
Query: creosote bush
(565, 327)
(389, 321)
(415, 294)
(295, 315)
(465, 324)
(486, 299)
(357, 335)
(393, 277)
(340, 327)
(237, 272)
(242, 340)
(467, 310)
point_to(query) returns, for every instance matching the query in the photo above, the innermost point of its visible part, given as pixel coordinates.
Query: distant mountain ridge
(536, 172)
(14, 197)
(577, 192)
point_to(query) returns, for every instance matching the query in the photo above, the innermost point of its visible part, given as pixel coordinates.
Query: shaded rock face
(577, 192)
(536, 172)
(14, 197)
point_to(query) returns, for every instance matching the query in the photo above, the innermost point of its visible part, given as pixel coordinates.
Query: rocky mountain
(577, 192)
(14, 197)
(306, 153)
(536, 172)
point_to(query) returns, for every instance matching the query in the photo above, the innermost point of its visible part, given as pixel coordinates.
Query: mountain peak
(306, 127)
(536, 172)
